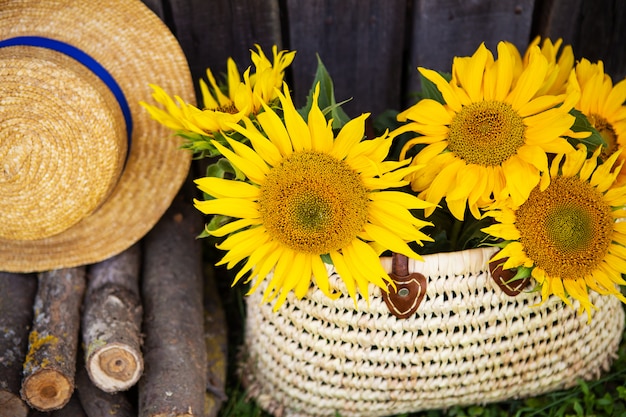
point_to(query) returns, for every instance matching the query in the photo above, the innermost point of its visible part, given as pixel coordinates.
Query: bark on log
(17, 294)
(216, 340)
(98, 403)
(174, 380)
(50, 364)
(112, 322)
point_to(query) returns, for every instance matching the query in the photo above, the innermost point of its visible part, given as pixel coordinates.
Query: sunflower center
(313, 203)
(566, 230)
(486, 133)
(607, 132)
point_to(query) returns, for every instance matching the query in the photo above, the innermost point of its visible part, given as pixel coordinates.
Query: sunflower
(221, 109)
(491, 135)
(560, 62)
(569, 237)
(603, 105)
(310, 196)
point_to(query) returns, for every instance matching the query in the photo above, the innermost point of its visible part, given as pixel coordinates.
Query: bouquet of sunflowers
(518, 151)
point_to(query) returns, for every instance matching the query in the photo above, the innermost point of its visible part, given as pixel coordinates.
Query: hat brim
(136, 48)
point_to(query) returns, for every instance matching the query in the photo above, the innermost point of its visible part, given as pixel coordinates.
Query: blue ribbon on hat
(87, 61)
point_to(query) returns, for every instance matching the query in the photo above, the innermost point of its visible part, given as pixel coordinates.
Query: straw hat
(84, 171)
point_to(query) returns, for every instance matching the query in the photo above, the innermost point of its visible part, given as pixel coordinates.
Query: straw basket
(467, 343)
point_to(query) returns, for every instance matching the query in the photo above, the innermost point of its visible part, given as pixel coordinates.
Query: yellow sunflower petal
(224, 188)
(222, 100)
(615, 99)
(233, 75)
(241, 244)
(234, 226)
(305, 271)
(401, 198)
(504, 231)
(250, 170)
(471, 77)
(539, 104)
(256, 257)
(320, 274)
(503, 74)
(349, 135)
(390, 240)
(321, 132)
(577, 289)
(233, 207)
(266, 264)
(297, 278)
(428, 112)
(443, 86)
(345, 273)
(521, 178)
(535, 156)
(529, 81)
(275, 130)
(443, 181)
(296, 126)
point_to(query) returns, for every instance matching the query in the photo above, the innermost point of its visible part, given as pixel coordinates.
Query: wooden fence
(372, 47)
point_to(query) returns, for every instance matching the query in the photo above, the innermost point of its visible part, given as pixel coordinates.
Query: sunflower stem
(457, 226)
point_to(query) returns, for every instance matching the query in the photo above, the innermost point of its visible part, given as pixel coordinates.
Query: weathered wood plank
(443, 29)
(360, 43)
(212, 31)
(595, 29)
(556, 19)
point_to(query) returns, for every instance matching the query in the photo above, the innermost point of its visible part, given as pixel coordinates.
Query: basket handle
(410, 288)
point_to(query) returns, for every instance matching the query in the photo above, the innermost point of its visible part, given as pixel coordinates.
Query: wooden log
(72, 409)
(216, 340)
(111, 322)
(174, 379)
(17, 294)
(50, 365)
(98, 403)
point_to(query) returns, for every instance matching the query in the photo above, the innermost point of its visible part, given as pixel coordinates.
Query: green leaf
(222, 168)
(326, 100)
(579, 409)
(216, 222)
(582, 124)
(430, 90)
(326, 259)
(583, 386)
(475, 411)
(522, 272)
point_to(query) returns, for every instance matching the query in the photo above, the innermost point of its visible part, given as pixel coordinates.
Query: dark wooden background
(372, 47)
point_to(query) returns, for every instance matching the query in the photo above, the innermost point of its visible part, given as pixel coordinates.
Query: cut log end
(12, 405)
(115, 367)
(47, 390)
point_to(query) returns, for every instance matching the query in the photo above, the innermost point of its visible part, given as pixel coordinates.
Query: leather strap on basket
(504, 278)
(409, 291)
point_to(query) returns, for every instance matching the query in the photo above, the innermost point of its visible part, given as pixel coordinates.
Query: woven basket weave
(468, 343)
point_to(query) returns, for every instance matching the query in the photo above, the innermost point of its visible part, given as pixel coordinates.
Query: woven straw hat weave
(84, 171)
